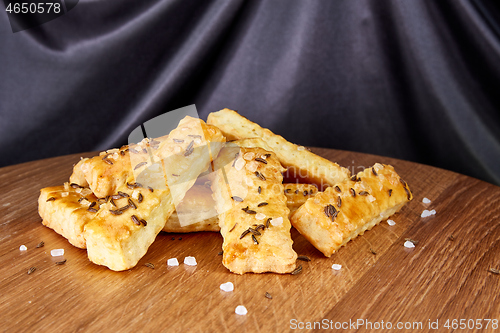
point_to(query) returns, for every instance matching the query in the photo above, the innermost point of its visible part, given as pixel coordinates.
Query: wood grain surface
(446, 276)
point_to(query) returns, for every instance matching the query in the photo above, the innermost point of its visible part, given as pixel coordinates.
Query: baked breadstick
(122, 231)
(314, 168)
(105, 173)
(119, 236)
(297, 194)
(66, 209)
(253, 215)
(340, 213)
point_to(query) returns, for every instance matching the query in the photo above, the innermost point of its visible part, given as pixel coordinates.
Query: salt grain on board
(409, 245)
(172, 262)
(337, 267)
(228, 286)
(241, 310)
(22, 248)
(391, 222)
(427, 213)
(57, 252)
(190, 261)
(426, 201)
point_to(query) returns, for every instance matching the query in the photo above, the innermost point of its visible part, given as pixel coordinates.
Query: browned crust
(315, 169)
(347, 209)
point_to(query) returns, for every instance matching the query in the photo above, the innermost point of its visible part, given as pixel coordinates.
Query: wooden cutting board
(445, 277)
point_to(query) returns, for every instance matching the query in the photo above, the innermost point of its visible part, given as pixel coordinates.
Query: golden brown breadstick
(121, 233)
(66, 209)
(340, 213)
(253, 215)
(314, 168)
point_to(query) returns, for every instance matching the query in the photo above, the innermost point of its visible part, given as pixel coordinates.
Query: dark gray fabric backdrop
(416, 80)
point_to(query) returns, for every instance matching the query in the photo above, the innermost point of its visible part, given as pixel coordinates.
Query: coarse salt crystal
(78, 190)
(337, 267)
(241, 310)
(409, 245)
(371, 198)
(172, 262)
(57, 252)
(426, 201)
(190, 261)
(249, 156)
(252, 166)
(135, 194)
(249, 182)
(277, 221)
(427, 213)
(391, 222)
(64, 194)
(239, 164)
(228, 286)
(264, 157)
(86, 191)
(177, 149)
(300, 148)
(85, 202)
(22, 248)
(197, 141)
(260, 216)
